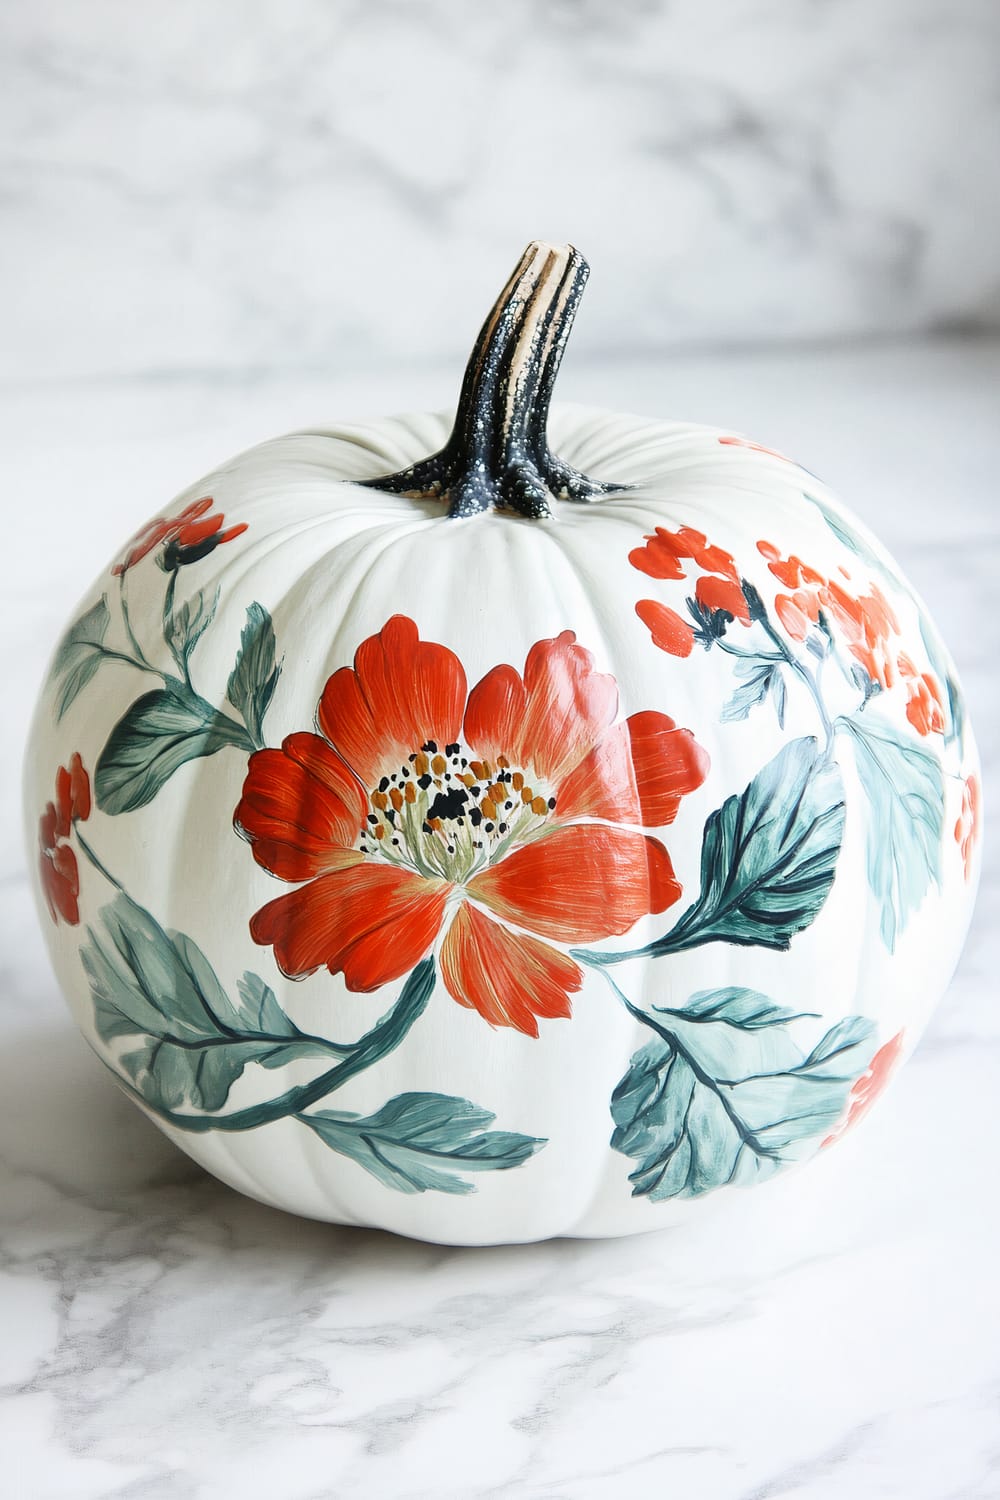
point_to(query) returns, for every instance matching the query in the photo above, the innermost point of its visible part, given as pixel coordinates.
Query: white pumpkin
(485, 852)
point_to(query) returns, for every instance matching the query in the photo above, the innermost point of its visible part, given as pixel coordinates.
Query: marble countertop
(834, 1333)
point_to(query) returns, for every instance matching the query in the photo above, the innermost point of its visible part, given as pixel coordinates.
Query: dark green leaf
(255, 676)
(768, 856)
(904, 784)
(186, 623)
(725, 1094)
(79, 653)
(188, 1044)
(159, 733)
(420, 1141)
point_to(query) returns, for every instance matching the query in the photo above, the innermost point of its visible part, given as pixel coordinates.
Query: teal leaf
(725, 1093)
(159, 733)
(80, 653)
(847, 533)
(759, 679)
(255, 676)
(185, 624)
(768, 858)
(422, 1141)
(904, 784)
(187, 1044)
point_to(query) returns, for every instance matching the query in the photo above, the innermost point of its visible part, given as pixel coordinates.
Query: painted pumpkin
(496, 845)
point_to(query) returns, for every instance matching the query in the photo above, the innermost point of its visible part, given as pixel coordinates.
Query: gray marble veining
(338, 185)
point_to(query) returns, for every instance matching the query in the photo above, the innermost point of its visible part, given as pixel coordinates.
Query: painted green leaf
(768, 856)
(904, 784)
(159, 733)
(846, 532)
(759, 679)
(422, 1141)
(188, 1044)
(725, 1094)
(255, 676)
(79, 653)
(185, 624)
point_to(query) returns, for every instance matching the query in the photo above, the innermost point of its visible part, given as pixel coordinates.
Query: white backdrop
(227, 185)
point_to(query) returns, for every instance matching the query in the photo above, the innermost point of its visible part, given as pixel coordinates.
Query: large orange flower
(509, 818)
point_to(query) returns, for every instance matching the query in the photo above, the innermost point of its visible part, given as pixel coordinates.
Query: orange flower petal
(659, 558)
(79, 790)
(795, 614)
(495, 714)
(569, 705)
(722, 593)
(637, 774)
(301, 809)
(60, 877)
(870, 1085)
(64, 802)
(48, 836)
(669, 631)
(580, 883)
(509, 978)
(193, 532)
(370, 922)
(548, 719)
(400, 693)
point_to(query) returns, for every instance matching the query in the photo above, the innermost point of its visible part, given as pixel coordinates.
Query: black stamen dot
(372, 818)
(383, 785)
(451, 749)
(488, 827)
(431, 747)
(424, 781)
(503, 828)
(552, 803)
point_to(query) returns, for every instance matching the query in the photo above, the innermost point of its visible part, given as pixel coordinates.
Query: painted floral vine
(489, 835)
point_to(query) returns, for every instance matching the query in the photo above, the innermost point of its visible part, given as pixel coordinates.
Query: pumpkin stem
(498, 453)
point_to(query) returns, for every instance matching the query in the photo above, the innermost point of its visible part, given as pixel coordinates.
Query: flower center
(446, 814)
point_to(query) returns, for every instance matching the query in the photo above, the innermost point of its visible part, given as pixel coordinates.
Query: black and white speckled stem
(498, 454)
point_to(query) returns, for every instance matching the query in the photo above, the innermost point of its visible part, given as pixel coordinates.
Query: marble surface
(833, 1333)
(234, 186)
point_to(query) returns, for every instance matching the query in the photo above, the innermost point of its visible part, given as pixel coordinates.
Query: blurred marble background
(221, 219)
(233, 186)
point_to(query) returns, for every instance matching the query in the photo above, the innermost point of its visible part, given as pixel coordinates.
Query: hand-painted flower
(185, 538)
(867, 625)
(869, 1086)
(60, 874)
(507, 818)
(969, 823)
(717, 588)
